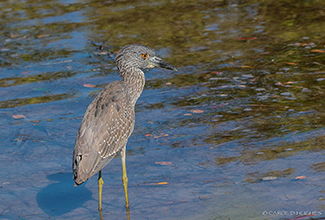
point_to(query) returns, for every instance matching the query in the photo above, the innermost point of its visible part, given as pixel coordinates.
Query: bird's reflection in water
(127, 213)
(62, 197)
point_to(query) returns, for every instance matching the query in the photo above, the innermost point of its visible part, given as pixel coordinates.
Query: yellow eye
(144, 56)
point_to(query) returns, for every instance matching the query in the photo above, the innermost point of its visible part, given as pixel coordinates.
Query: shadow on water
(62, 197)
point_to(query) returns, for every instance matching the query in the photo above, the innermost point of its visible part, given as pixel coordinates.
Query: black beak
(156, 61)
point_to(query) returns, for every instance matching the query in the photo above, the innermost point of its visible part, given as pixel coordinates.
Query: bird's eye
(144, 56)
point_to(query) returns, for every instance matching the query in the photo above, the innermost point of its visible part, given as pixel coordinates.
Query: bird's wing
(105, 129)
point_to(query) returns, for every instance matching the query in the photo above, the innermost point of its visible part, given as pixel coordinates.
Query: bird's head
(140, 56)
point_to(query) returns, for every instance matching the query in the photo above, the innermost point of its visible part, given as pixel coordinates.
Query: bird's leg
(100, 189)
(101, 215)
(124, 177)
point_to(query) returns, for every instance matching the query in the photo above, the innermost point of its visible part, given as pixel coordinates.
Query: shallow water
(237, 133)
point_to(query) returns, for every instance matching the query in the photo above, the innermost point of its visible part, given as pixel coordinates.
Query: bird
(109, 119)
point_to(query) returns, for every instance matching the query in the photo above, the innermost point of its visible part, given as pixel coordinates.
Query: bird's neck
(134, 79)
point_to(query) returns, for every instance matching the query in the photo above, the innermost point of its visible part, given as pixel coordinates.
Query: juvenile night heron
(109, 119)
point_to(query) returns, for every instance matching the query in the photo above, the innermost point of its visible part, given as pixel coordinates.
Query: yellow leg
(101, 215)
(124, 177)
(100, 189)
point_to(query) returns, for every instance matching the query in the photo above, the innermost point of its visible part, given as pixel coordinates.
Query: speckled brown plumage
(105, 129)
(109, 119)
